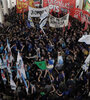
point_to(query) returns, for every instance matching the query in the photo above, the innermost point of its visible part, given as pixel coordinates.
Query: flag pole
(22, 11)
(23, 14)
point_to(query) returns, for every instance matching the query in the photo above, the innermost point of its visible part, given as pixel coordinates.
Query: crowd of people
(60, 81)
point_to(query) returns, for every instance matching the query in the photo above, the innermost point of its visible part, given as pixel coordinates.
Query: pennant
(41, 65)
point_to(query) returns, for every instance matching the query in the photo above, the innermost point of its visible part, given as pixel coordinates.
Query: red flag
(69, 25)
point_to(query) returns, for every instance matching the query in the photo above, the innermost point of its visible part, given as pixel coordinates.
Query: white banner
(58, 22)
(37, 12)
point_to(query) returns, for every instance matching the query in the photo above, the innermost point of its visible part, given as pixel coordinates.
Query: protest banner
(81, 15)
(57, 5)
(58, 22)
(37, 12)
(22, 5)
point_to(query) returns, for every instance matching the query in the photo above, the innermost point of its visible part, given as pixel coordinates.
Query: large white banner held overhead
(58, 22)
(37, 12)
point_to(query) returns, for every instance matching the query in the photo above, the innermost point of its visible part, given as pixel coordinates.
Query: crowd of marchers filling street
(51, 62)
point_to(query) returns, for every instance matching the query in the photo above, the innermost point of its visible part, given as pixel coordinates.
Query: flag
(22, 5)
(10, 53)
(85, 67)
(43, 16)
(18, 73)
(8, 64)
(69, 25)
(26, 86)
(6, 61)
(43, 20)
(42, 24)
(8, 46)
(85, 38)
(12, 83)
(41, 65)
(0, 63)
(87, 59)
(42, 30)
(3, 76)
(20, 65)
